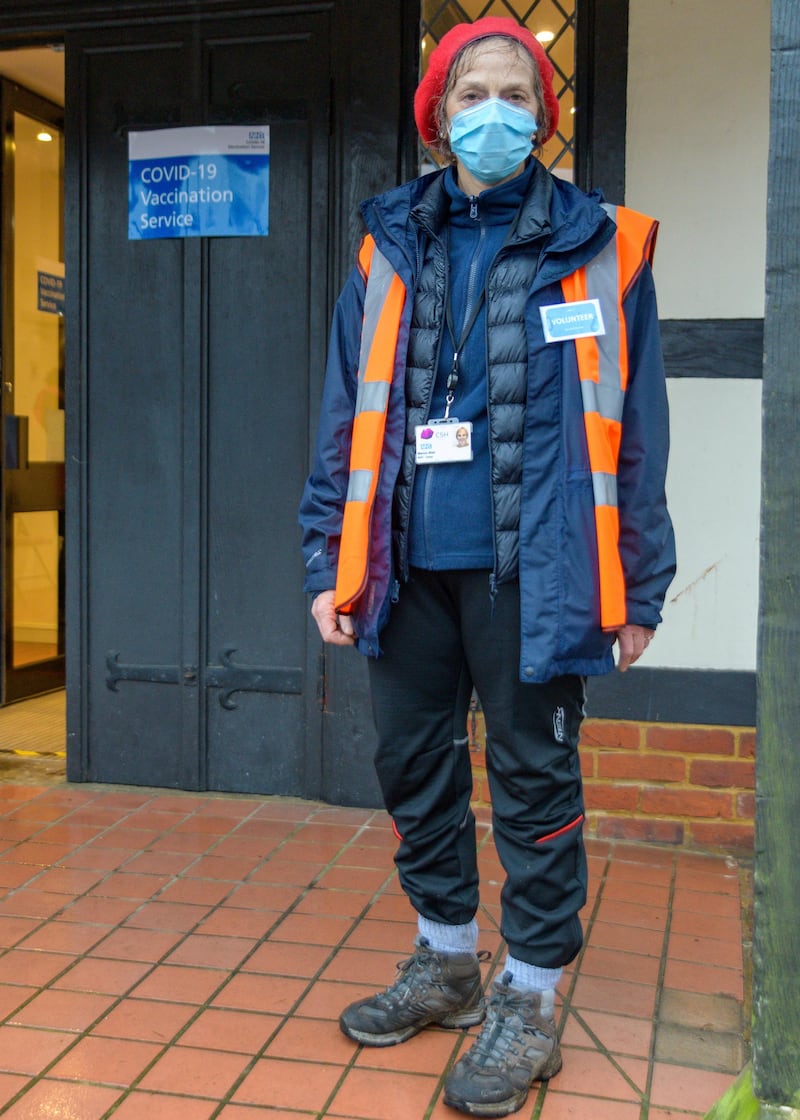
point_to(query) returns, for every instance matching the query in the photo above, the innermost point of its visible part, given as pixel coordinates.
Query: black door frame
(25, 487)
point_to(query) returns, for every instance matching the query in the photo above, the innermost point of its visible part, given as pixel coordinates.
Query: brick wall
(685, 785)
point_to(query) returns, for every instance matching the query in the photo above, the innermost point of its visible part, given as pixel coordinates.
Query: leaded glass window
(553, 24)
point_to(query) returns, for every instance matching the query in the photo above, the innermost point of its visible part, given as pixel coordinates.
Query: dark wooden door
(191, 402)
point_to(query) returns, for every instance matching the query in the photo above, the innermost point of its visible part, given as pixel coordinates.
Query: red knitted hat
(430, 89)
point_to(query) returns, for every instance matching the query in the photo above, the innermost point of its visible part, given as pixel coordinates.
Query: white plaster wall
(697, 147)
(697, 144)
(713, 491)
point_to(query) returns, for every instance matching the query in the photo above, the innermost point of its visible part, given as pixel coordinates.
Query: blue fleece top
(451, 503)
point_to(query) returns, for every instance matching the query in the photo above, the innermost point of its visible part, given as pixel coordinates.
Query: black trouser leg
(443, 634)
(535, 781)
(420, 698)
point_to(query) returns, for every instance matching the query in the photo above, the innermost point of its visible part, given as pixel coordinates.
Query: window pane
(37, 546)
(38, 287)
(553, 23)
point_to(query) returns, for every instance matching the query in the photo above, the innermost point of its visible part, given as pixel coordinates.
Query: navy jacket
(560, 628)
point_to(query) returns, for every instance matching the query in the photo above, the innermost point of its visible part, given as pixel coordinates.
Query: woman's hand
(633, 641)
(334, 628)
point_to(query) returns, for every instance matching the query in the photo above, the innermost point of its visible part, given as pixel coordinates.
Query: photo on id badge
(444, 441)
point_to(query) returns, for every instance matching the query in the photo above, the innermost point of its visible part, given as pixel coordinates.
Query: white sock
(532, 978)
(444, 938)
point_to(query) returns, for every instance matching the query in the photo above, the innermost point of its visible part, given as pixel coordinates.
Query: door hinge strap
(156, 674)
(231, 677)
(228, 676)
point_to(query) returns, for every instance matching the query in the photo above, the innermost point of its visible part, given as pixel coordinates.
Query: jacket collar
(575, 224)
(433, 208)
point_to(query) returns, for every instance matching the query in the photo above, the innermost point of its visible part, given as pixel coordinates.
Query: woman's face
(494, 70)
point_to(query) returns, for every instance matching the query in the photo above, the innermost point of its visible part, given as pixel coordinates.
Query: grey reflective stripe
(602, 284)
(605, 488)
(372, 396)
(606, 396)
(378, 281)
(605, 399)
(358, 486)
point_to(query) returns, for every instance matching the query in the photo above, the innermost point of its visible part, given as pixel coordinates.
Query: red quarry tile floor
(185, 957)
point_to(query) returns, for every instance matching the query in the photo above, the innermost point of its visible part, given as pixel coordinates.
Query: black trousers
(444, 636)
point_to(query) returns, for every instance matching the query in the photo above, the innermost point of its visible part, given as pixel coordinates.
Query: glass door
(32, 341)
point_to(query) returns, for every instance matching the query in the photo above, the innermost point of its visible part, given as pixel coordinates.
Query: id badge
(444, 441)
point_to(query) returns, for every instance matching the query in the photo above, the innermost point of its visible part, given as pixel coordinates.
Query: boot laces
(504, 1032)
(418, 969)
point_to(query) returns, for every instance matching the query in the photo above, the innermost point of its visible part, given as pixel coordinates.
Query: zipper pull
(473, 207)
(492, 590)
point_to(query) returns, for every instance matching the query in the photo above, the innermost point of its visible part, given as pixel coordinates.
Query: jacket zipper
(473, 267)
(473, 271)
(473, 213)
(493, 573)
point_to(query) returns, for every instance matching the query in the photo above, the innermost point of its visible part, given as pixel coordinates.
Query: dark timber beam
(601, 58)
(775, 1087)
(776, 1033)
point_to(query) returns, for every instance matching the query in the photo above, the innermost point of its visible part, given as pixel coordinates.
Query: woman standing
(487, 510)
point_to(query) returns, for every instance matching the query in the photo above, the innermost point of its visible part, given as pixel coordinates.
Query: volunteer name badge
(563, 321)
(444, 441)
(198, 182)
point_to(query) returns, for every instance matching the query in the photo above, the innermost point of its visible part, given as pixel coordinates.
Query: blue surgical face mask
(492, 138)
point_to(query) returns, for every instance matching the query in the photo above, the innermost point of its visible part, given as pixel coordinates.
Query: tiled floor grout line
(207, 1004)
(744, 878)
(606, 857)
(662, 968)
(438, 1091)
(603, 1049)
(334, 949)
(75, 896)
(73, 960)
(323, 1111)
(357, 1050)
(566, 998)
(177, 877)
(128, 813)
(127, 1090)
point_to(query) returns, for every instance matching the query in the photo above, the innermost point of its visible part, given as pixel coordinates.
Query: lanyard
(452, 377)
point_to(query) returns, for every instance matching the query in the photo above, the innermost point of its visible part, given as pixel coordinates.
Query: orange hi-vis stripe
(383, 308)
(603, 371)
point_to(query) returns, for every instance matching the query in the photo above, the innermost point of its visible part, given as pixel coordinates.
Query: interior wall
(40, 69)
(697, 142)
(37, 224)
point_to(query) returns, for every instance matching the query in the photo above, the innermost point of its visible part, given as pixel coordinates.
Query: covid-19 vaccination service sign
(199, 182)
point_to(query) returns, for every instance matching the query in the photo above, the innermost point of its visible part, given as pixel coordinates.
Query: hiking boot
(431, 987)
(517, 1046)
